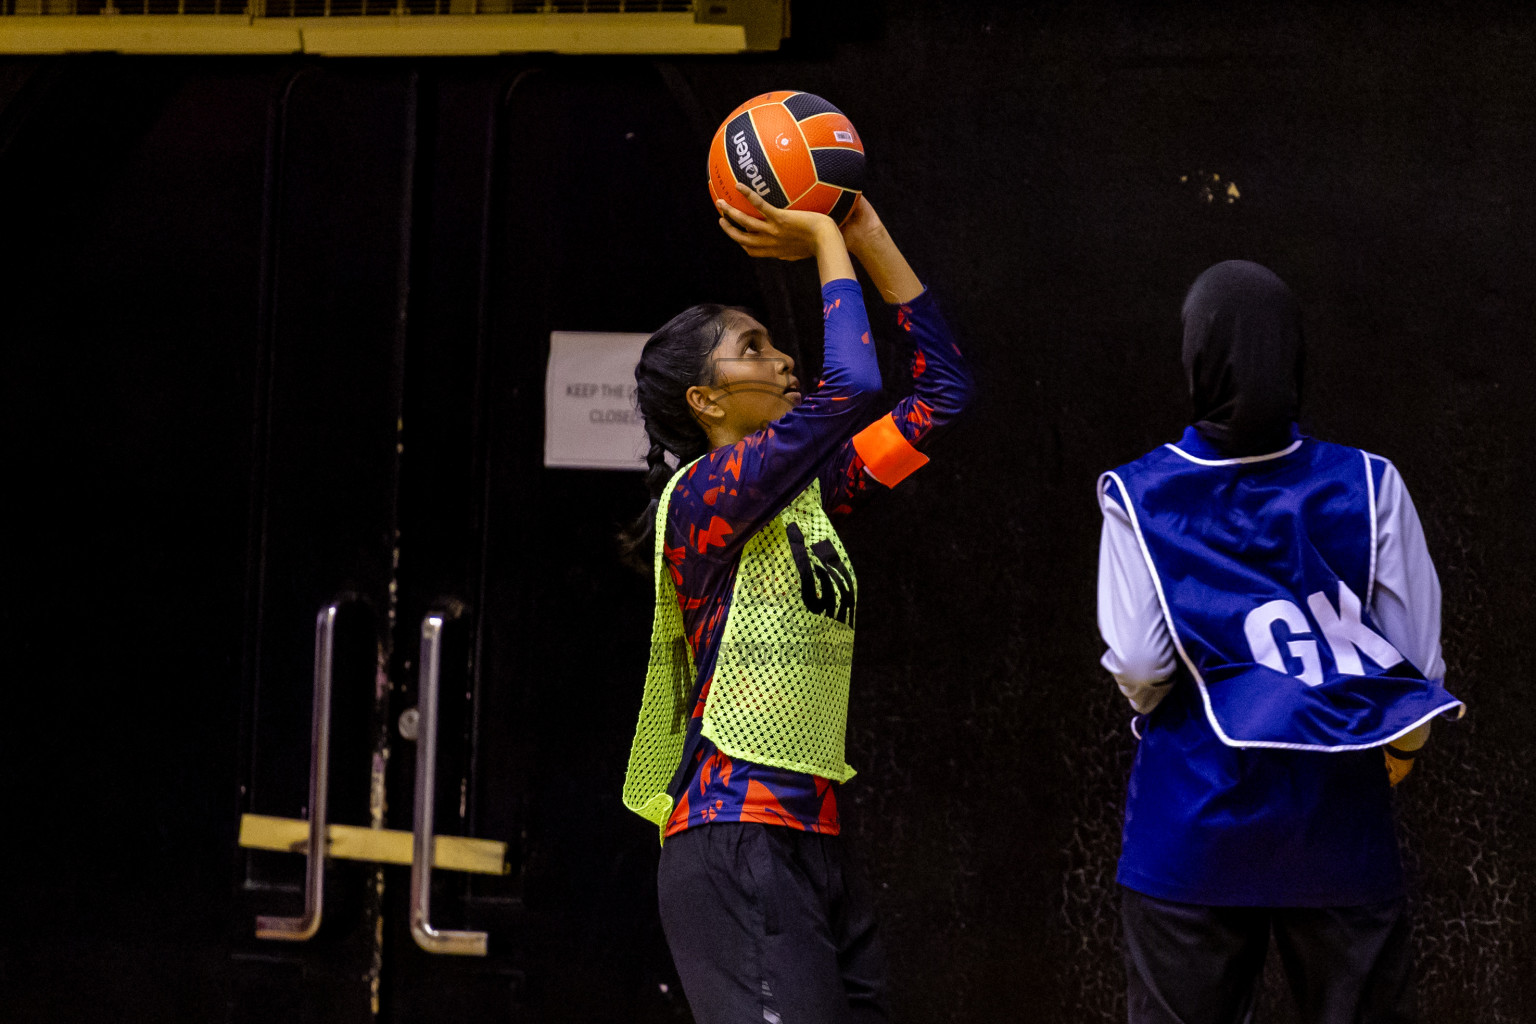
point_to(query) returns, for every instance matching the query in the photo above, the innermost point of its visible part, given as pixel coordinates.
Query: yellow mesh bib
(780, 690)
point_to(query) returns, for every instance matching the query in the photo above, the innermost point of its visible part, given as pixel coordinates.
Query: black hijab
(1242, 357)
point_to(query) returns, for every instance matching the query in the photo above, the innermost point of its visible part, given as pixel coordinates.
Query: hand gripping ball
(795, 150)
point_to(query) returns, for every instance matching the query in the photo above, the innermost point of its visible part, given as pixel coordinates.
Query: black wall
(1052, 170)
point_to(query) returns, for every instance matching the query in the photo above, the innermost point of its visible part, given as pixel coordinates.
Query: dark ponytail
(674, 359)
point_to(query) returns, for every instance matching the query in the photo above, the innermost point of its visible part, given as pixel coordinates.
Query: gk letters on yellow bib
(780, 690)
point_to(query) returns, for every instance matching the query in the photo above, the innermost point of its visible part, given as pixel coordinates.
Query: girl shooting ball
(738, 754)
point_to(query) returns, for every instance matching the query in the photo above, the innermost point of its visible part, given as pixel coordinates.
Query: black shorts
(1191, 964)
(768, 924)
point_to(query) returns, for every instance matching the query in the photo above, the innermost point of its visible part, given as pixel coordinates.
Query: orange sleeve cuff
(889, 457)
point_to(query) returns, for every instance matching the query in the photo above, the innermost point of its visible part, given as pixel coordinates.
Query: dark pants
(768, 924)
(1200, 965)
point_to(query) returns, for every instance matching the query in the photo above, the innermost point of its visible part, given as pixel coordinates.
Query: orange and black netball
(796, 150)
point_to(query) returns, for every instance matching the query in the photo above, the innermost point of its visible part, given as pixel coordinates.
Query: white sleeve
(1140, 651)
(1406, 599)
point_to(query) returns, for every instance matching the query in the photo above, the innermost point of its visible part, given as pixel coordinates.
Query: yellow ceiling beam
(448, 35)
(423, 35)
(206, 33)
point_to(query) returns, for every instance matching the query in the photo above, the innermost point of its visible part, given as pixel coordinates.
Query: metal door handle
(303, 928)
(428, 938)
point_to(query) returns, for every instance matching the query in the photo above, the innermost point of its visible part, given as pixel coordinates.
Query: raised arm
(890, 449)
(873, 247)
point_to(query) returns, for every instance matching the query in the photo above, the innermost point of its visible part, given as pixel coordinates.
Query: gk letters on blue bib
(1264, 567)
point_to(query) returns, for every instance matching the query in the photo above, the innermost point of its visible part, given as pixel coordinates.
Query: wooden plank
(383, 846)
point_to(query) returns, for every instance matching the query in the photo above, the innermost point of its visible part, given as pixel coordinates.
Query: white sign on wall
(590, 421)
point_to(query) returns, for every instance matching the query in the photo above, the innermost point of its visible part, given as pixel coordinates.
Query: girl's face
(753, 383)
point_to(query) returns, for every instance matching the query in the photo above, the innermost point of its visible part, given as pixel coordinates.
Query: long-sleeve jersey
(734, 491)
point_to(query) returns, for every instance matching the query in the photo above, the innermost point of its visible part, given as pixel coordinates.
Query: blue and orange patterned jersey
(733, 491)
